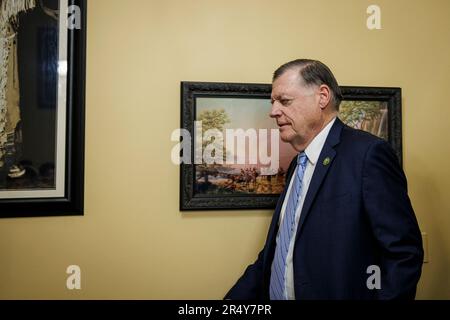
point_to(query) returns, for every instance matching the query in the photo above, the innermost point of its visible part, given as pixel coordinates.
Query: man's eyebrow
(281, 97)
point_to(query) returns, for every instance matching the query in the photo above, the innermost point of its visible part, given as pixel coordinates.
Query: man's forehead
(289, 76)
(285, 84)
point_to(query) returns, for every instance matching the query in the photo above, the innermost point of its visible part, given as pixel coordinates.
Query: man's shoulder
(355, 144)
(359, 138)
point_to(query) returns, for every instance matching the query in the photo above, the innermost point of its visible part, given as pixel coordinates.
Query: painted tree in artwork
(211, 119)
(365, 115)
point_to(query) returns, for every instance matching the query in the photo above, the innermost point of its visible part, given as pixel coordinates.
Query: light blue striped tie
(277, 277)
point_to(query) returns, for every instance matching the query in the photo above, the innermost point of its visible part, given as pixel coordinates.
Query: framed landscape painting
(237, 160)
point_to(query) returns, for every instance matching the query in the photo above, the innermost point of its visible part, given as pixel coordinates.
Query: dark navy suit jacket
(356, 214)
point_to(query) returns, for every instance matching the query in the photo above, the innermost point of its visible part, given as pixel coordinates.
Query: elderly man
(344, 227)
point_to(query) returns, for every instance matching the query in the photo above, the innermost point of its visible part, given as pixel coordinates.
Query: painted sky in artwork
(245, 114)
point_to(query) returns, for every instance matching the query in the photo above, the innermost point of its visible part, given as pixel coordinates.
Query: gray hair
(313, 72)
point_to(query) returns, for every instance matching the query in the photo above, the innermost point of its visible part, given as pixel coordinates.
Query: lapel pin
(326, 161)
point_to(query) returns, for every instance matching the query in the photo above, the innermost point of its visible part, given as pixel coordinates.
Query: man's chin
(286, 138)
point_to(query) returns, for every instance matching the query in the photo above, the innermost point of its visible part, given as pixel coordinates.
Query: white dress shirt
(312, 153)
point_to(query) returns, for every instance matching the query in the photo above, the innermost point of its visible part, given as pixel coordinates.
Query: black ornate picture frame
(372, 109)
(367, 104)
(42, 160)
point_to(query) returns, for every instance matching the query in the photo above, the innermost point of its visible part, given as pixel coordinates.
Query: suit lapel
(323, 164)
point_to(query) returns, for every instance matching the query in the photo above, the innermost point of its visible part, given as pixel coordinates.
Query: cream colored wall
(133, 242)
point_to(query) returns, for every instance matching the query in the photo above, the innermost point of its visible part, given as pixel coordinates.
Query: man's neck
(301, 146)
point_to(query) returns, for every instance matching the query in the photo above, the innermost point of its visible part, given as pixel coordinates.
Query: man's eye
(285, 102)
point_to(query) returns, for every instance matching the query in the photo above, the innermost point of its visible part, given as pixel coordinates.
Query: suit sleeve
(249, 285)
(393, 222)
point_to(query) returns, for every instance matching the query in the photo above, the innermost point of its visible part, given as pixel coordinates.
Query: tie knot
(301, 159)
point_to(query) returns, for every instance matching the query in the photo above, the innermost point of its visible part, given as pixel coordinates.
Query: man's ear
(324, 96)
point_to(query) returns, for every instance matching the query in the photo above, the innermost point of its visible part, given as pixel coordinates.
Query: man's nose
(275, 110)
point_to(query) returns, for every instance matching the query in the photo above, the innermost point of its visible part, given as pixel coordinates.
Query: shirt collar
(315, 147)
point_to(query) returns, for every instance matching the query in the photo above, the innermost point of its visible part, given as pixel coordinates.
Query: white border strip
(61, 120)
